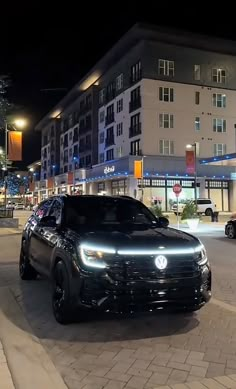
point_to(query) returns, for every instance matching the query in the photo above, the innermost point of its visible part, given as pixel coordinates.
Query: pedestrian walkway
(10, 231)
(5, 375)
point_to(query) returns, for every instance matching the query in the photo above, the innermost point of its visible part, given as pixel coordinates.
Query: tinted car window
(56, 210)
(43, 209)
(204, 201)
(105, 211)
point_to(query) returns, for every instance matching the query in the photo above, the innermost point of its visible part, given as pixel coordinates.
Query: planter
(192, 224)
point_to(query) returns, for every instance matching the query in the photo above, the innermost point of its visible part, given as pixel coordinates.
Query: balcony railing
(136, 77)
(85, 108)
(109, 141)
(110, 118)
(135, 130)
(135, 104)
(75, 138)
(82, 148)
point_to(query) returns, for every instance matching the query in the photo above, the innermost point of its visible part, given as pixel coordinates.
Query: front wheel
(61, 297)
(27, 272)
(230, 231)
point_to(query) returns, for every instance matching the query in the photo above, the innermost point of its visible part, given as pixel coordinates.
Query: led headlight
(201, 255)
(94, 256)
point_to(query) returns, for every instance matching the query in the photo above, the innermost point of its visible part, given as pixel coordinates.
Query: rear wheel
(61, 297)
(230, 231)
(208, 212)
(27, 272)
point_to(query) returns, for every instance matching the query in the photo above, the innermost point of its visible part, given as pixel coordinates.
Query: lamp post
(18, 123)
(53, 174)
(194, 146)
(32, 181)
(75, 160)
(142, 182)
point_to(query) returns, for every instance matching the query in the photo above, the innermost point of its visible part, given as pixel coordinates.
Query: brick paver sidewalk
(5, 375)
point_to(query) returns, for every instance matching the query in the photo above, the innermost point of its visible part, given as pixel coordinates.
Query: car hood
(149, 239)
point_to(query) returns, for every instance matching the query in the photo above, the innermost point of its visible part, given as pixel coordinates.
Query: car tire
(26, 270)
(208, 212)
(230, 231)
(63, 309)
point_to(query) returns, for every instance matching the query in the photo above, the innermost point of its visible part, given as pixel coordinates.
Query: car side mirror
(163, 221)
(48, 221)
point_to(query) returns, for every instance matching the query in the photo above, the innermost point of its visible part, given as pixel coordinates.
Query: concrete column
(108, 187)
(132, 187)
(202, 190)
(232, 196)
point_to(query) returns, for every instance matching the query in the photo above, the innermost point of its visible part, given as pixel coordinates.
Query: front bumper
(98, 290)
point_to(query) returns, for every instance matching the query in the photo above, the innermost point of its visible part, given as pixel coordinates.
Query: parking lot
(141, 351)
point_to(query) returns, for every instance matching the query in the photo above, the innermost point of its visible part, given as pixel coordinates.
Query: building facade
(152, 94)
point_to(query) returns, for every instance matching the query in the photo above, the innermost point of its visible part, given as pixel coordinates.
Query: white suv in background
(204, 206)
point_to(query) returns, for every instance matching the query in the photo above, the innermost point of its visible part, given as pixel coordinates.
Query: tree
(15, 185)
(4, 103)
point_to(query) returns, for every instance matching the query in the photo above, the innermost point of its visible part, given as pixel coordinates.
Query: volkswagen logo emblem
(161, 262)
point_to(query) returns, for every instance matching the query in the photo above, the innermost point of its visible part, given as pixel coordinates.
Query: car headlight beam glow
(93, 256)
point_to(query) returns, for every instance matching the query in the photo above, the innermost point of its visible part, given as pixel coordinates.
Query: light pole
(32, 181)
(20, 123)
(194, 146)
(53, 171)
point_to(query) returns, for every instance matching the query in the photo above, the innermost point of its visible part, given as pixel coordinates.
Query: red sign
(190, 162)
(70, 178)
(177, 189)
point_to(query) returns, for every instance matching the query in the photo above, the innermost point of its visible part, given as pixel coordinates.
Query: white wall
(185, 110)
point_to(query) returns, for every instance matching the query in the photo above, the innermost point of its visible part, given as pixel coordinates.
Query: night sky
(43, 47)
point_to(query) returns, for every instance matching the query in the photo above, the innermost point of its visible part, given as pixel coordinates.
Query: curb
(28, 362)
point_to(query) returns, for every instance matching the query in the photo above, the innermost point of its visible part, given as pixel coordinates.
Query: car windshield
(101, 211)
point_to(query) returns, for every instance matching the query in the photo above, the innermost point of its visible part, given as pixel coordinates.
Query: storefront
(159, 177)
(160, 174)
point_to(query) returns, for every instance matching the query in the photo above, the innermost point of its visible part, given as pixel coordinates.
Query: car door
(35, 233)
(50, 235)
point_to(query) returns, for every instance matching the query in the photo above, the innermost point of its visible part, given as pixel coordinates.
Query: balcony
(82, 148)
(109, 141)
(85, 128)
(135, 130)
(136, 77)
(110, 95)
(85, 108)
(136, 152)
(75, 138)
(88, 146)
(109, 118)
(135, 104)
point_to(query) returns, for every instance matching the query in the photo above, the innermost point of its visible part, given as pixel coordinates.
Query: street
(143, 351)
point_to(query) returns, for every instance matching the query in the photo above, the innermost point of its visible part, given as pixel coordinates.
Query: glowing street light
(20, 123)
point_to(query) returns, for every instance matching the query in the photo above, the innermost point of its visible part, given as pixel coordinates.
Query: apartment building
(152, 94)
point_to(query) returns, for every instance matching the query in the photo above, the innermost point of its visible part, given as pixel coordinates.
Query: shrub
(157, 211)
(190, 211)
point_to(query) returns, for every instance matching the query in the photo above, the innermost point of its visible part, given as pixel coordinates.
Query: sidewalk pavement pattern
(5, 375)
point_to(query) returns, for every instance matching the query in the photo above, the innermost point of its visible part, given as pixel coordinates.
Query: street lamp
(194, 146)
(53, 174)
(19, 123)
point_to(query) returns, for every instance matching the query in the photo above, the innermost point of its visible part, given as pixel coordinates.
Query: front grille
(143, 268)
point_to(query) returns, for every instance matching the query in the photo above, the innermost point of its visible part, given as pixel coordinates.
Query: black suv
(112, 254)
